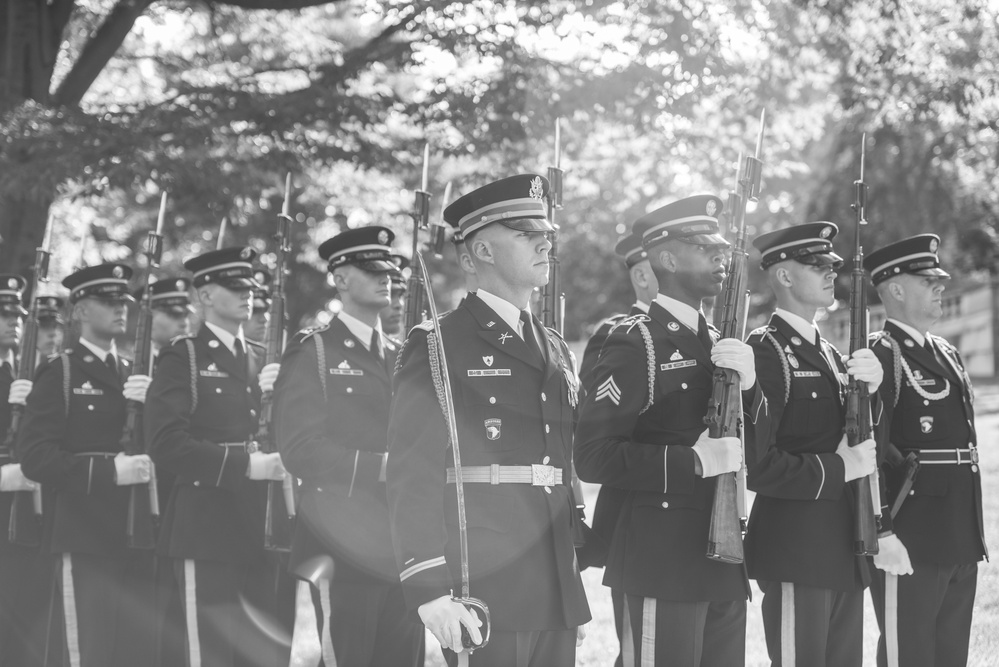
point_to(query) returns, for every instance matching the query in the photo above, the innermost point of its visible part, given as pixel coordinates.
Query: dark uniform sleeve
(167, 420)
(417, 476)
(888, 454)
(592, 353)
(605, 451)
(42, 433)
(776, 472)
(307, 448)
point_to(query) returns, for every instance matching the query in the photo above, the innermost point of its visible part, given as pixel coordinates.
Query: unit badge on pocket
(493, 428)
(926, 424)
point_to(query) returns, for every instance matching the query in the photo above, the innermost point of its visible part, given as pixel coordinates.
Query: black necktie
(111, 363)
(529, 338)
(376, 344)
(703, 334)
(240, 354)
(6, 369)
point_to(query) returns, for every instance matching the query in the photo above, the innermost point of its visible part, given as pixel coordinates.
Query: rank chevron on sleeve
(609, 389)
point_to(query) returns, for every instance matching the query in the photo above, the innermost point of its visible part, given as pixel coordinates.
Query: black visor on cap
(528, 224)
(821, 259)
(13, 310)
(933, 271)
(236, 283)
(701, 239)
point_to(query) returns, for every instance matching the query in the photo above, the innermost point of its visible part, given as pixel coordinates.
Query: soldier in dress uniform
(200, 416)
(393, 315)
(25, 571)
(51, 325)
(929, 418)
(70, 442)
(332, 407)
(799, 546)
(610, 499)
(170, 301)
(642, 430)
(256, 328)
(514, 402)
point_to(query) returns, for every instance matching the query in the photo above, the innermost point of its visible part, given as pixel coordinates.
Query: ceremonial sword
(478, 606)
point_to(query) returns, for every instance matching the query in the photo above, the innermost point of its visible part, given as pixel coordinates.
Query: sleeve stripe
(225, 457)
(353, 475)
(822, 482)
(420, 567)
(665, 470)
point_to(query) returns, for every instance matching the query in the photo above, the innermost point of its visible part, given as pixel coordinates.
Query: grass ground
(600, 646)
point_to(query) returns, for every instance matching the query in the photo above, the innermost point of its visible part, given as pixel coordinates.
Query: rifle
(726, 224)
(724, 418)
(143, 504)
(553, 299)
(416, 299)
(858, 402)
(278, 531)
(25, 530)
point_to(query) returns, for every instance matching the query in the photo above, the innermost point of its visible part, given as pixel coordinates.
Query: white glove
(136, 387)
(738, 356)
(12, 479)
(132, 469)
(718, 455)
(859, 461)
(864, 365)
(266, 467)
(580, 634)
(444, 618)
(267, 378)
(892, 556)
(19, 390)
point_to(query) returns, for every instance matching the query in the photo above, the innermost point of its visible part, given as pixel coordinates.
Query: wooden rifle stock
(280, 511)
(858, 402)
(25, 527)
(724, 419)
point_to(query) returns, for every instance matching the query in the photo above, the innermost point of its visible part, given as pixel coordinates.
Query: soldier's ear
(667, 260)
(783, 276)
(482, 250)
(896, 290)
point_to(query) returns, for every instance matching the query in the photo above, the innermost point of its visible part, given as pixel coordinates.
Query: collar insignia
(213, 344)
(673, 326)
(504, 337)
(348, 343)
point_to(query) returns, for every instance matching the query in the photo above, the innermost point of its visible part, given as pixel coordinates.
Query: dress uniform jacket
(216, 512)
(650, 394)
(801, 525)
(331, 412)
(941, 519)
(65, 419)
(511, 410)
(596, 342)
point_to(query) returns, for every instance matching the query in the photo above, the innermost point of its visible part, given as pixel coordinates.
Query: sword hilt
(481, 611)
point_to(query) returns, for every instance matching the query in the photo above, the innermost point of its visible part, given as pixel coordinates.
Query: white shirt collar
(227, 338)
(101, 353)
(687, 315)
(920, 338)
(808, 330)
(641, 305)
(508, 312)
(359, 329)
(9, 358)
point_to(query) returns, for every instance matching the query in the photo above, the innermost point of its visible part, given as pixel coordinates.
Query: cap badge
(826, 231)
(259, 276)
(12, 283)
(673, 326)
(933, 245)
(117, 272)
(537, 188)
(711, 208)
(488, 360)
(348, 343)
(180, 286)
(245, 253)
(383, 237)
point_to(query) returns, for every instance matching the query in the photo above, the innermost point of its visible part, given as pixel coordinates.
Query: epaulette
(177, 339)
(426, 325)
(308, 332)
(630, 322)
(878, 337)
(761, 331)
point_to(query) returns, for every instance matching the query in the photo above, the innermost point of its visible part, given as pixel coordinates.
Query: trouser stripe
(325, 635)
(69, 612)
(787, 656)
(191, 615)
(649, 632)
(891, 619)
(627, 637)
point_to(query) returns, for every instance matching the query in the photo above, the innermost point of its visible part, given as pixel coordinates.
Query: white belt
(535, 475)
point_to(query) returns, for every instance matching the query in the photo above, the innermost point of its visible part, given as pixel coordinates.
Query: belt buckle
(542, 475)
(974, 455)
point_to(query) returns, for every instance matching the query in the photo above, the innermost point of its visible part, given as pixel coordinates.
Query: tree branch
(100, 48)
